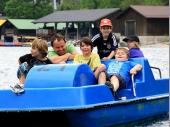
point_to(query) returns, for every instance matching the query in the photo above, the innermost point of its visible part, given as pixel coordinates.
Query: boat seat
(142, 75)
(145, 75)
(60, 75)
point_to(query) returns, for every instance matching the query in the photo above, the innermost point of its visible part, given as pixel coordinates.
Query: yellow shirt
(94, 60)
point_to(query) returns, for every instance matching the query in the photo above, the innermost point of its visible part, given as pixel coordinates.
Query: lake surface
(158, 57)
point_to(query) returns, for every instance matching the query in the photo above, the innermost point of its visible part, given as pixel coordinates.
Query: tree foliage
(29, 9)
(69, 5)
(88, 4)
(109, 3)
(156, 2)
(93, 4)
(126, 3)
(3, 4)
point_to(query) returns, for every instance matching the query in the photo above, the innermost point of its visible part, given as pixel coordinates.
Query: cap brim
(105, 25)
(125, 39)
(129, 39)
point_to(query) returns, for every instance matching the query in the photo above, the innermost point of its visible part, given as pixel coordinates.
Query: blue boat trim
(98, 105)
(158, 97)
(120, 102)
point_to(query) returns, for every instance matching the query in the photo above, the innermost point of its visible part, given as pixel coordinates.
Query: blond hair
(124, 50)
(41, 45)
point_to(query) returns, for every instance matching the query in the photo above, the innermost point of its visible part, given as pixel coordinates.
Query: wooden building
(12, 29)
(25, 28)
(79, 23)
(143, 21)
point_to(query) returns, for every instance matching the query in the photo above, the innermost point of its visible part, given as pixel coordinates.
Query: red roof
(152, 11)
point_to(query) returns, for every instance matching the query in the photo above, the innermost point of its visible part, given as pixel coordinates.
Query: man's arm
(60, 59)
(72, 50)
(72, 55)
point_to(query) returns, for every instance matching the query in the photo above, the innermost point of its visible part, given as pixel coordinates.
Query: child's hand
(105, 58)
(133, 71)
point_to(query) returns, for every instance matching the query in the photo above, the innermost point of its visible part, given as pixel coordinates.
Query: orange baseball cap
(105, 22)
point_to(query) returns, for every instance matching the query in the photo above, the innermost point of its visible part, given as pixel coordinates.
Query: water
(158, 57)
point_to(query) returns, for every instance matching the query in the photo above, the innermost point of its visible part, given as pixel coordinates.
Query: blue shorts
(23, 70)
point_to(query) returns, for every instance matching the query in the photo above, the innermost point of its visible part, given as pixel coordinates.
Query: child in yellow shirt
(90, 58)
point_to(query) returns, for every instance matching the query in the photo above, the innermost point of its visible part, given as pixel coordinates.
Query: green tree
(126, 3)
(88, 4)
(109, 3)
(42, 8)
(69, 5)
(156, 2)
(12, 10)
(2, 5)
(27, 8)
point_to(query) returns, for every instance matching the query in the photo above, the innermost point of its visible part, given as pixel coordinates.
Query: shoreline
(150, 45)
(156, 45)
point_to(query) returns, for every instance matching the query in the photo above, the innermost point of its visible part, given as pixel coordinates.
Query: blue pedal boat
(72, 89)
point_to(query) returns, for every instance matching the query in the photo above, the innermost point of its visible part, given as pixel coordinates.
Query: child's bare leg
(115, 82)
(102, 78)
(100, 75)
(96, 73)
(22, 80)
(99, 70)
